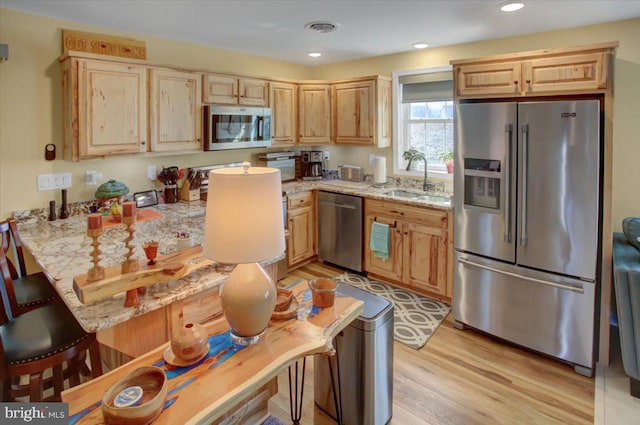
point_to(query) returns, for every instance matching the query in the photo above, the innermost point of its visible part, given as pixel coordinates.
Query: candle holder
(96, 272)
(129, 265)
(151, 251)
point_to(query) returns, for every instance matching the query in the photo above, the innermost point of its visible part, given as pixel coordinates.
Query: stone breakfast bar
(63, 250)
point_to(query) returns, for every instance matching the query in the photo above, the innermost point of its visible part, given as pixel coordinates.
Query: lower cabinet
(420, 247)
(301, 223)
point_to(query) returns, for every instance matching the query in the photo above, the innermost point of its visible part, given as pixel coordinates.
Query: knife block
(189, 195)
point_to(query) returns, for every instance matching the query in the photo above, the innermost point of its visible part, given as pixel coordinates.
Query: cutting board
(142, 215)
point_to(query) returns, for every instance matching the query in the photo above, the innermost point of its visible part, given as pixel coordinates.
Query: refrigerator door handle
(508, 128)
(525, 172)
(531, 279)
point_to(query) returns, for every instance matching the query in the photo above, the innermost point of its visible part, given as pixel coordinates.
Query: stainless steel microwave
(236, 127)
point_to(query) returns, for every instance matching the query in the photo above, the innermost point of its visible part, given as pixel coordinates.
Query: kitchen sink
(418, 196)
(434, 198)
(403, 193)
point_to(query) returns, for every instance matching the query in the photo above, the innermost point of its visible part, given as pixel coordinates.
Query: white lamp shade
(243, 221)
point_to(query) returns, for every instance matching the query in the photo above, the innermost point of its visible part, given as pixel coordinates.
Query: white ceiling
(275, 28)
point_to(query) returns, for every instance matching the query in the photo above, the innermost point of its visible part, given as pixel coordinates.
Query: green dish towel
(379, 241)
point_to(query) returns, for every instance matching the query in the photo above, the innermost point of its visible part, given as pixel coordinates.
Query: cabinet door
(283, 101)
(301, 235)
(489, 79)
(354, 112)
(112, 108)
(425, 251)
(253, 92)
(314, 114)
(175, 111)
(567, 73)
(383, 136)
(221, 89)
(391, 267)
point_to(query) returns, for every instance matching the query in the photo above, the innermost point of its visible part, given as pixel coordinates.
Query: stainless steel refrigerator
(527, 223)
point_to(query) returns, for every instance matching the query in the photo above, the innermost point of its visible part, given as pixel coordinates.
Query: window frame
(398, 123)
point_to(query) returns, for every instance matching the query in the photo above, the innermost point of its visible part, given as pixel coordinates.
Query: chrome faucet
(426, 186)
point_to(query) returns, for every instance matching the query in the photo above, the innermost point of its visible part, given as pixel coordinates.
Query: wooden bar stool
(27, 292)
(37, 340)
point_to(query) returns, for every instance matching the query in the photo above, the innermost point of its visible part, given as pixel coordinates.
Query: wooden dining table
(205, 391)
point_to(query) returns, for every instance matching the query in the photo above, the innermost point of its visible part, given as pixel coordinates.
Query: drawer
(420, 215)
(299, 200)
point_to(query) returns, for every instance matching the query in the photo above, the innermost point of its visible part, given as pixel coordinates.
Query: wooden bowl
(283, 299)
(153, 382)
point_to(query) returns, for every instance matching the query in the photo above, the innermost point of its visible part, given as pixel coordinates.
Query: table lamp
(244, 225)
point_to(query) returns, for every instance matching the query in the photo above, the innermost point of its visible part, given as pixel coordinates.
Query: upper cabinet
(314, 112)
(231, 90)
(104, 108)
(283, 101)
(361, 112)
(175, 110)
(583, 69)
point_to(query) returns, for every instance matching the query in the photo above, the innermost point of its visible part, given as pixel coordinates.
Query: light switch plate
(54, 181)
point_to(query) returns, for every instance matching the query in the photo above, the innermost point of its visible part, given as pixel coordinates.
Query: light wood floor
(463, 377)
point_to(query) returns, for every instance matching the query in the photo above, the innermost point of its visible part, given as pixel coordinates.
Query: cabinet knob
(529, 82)
(515, 82)
(142, 143)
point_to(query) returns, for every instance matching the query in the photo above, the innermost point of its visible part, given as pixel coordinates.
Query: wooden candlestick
(96, 272)
(130, 265)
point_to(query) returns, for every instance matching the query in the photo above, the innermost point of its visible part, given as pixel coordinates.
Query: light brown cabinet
(231, 90)
(175, 110)
(301, 223)
(547, 72)
(361, 112)
(314, 114)
(420, 247)
(575, 72)
(283, 100)
(104, 108)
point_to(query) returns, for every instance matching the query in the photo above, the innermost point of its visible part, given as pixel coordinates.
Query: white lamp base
(248, 298)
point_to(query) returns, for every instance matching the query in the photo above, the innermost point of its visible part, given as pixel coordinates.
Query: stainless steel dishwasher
(340, 229)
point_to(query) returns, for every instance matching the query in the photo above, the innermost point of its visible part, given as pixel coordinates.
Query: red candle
(94, 221)
(128, 209)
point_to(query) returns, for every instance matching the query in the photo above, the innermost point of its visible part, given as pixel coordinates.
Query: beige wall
(30, 100)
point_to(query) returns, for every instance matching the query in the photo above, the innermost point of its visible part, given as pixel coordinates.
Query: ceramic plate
(171, 359)
(288, 313)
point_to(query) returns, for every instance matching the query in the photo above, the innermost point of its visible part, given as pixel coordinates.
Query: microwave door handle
(260, 128)
(525, 172)
(508, 128)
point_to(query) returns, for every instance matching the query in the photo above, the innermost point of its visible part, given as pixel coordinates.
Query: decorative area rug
(416, 318)
(272, 420)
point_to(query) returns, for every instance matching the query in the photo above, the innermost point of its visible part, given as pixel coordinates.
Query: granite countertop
(63, 250)
(425, 199)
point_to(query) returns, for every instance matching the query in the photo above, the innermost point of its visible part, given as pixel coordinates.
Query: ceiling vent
(322, 27)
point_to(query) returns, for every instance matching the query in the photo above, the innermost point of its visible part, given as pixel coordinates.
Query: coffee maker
(311, 165)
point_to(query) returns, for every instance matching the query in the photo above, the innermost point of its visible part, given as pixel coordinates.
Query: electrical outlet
(151, 172)
(53, 181)
(326, 156)
(90, 178)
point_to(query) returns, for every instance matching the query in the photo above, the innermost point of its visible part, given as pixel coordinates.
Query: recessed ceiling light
(420, 45)
(315, 54)
(511, 6)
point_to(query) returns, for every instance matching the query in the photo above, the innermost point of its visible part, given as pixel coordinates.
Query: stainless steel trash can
(365, 353)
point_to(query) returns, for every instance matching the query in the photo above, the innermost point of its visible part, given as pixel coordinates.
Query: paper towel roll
(380, 170)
